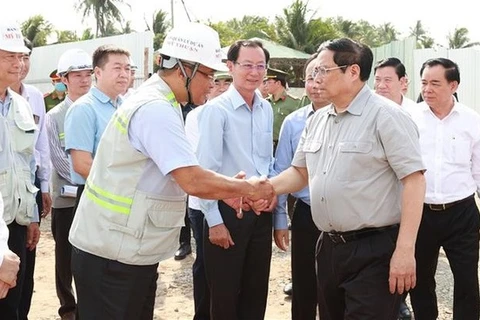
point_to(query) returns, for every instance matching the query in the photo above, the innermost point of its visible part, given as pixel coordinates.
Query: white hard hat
(133, 66)
(193, 42)
(74, 60)
(11, 38)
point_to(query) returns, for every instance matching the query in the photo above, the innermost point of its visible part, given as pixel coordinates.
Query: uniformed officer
(58, 94)
(283, 103)
(133, 205)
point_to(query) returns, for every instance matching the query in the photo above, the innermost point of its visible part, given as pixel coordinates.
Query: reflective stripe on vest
(61, 136)
(120, 121)
(108, 200)
(171, 98)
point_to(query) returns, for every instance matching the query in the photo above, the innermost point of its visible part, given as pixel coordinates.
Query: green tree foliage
(37, 29)
(459, 39)
(160, 26)
(245, 28)
(424, 40)
(87, 34)
(105, 12)
(64, 36)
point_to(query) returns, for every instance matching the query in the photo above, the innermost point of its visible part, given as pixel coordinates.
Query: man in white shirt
(450, 144)
(391, 80)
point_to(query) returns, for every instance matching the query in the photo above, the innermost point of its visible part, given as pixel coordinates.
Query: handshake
(261, 196)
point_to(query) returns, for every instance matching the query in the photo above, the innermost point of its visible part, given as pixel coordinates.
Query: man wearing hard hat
(53, 98)
(17, 164)
(133, 205)
(75, 70)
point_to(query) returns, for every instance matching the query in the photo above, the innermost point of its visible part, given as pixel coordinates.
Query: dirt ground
(175, 294)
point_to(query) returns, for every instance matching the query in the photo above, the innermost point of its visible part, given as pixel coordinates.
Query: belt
(348, 236)
(445, 206)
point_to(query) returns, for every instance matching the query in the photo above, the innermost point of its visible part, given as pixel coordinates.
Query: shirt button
(323, 199)
(324, 172)
(336, 121)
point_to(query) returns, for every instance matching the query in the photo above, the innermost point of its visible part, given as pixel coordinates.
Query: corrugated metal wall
(468, 61)
(44, 59)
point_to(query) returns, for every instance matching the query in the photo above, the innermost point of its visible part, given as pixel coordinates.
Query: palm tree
(293, 27)
(104, 12)
(421, 35)
(460, 39)
(159, 27)
(64, 36)
(37, 29)
(87, 34)
(387, 33)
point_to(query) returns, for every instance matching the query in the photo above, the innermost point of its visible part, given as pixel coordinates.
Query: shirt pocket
(311, 150)
(459, 152)
(23, 135)
(164, 220)
(354, 160)
(264, 144)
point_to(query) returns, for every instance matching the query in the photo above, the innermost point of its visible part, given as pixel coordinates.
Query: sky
(437, 17)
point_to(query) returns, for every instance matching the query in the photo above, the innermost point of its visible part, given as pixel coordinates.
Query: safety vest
(114, 219)
(17, 136)
(57, 114)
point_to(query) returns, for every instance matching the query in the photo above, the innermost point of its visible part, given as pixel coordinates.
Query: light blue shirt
(5, 105)
(157, 131)
(85, 122)
(234, 138)
(290, 134)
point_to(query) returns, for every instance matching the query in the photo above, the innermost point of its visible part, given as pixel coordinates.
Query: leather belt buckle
(437, 207)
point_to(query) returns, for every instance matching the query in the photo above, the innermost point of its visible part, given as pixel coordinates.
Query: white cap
(11, 38)
(74, 60)
(193, 42)
(133, 66)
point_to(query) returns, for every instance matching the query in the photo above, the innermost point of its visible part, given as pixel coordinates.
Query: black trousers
(185, 235)
(61, 222)
(238, 276)
(457, 231)
(77, 198)
(201, 294)
(304, 239)
(17, 242)
(111, 290)
(30, 258)
(352, 278)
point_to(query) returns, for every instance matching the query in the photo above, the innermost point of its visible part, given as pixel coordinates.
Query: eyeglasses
(250, 66)
(322, 71)
(210, 77)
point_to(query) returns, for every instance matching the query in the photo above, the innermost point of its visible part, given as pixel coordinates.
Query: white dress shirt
(451, 152)
(42, 149)
(191, 130)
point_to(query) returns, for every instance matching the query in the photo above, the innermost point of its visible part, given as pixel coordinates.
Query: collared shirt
(193, 136)
(157, 130)
(282, 107)
(85, 122)
(290, 134)
(355, 161)
(42, 150)
(450, 151)
(408, 104)
(58, 155)
(234, 138)
(5, 105)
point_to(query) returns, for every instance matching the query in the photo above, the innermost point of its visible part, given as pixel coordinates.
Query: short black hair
(452, 72)
(392, 62)
(234, 49)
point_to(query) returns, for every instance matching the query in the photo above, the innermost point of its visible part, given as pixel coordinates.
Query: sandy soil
(175, 294)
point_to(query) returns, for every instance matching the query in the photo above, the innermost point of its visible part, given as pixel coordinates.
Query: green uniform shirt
(51, 100)
(282, 108)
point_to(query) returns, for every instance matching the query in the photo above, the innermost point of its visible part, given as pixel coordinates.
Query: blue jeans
(201, 294)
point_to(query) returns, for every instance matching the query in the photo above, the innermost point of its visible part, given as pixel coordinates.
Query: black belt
(445, 206)
(348, 236)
